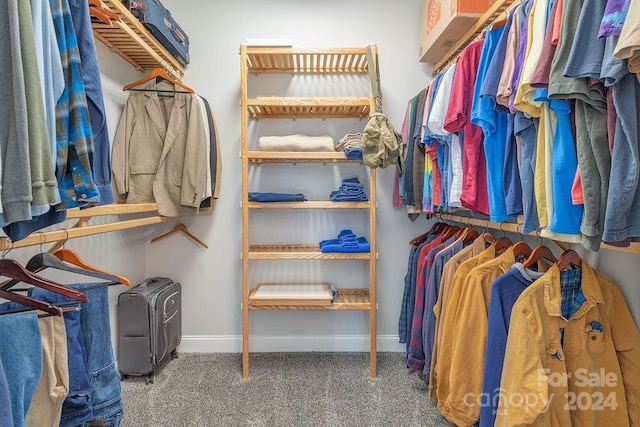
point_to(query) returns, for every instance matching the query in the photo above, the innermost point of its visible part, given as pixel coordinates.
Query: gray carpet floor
(284, 389)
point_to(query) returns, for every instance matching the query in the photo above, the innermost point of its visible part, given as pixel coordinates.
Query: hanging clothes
(100, 165)
(159, 152)
(22, 368)
(549, 338)
(74, 135)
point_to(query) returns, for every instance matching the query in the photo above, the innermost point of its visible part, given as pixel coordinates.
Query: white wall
(212, 278)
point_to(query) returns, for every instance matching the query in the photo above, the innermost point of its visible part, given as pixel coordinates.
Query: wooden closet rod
(516, 227)
(79, 231)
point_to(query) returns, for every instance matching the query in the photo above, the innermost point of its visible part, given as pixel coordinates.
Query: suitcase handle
(138, 5)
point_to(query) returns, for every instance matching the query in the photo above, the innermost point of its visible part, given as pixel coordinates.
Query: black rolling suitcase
(149, 326)
(158, 20)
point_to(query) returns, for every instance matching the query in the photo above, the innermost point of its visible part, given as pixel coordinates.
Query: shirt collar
(553, 295)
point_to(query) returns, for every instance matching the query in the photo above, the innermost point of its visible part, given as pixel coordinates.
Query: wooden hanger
(521, 249)
(157, 73)
(69, 256)
(183, 228)
(18, 273)
(436, 228)
(501, 244)
(31, 302)
(499, 23)
(569, 258)
(100, 16)
(469, 234)
(449, 232)
(538, 253)
(104, 14)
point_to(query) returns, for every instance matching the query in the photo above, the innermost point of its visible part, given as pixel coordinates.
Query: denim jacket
(580, 371)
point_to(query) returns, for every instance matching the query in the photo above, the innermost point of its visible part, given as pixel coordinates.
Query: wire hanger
(182, 228)
(158, 73)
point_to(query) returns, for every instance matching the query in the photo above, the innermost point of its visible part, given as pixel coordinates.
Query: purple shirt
(614, 16)
(524, 33)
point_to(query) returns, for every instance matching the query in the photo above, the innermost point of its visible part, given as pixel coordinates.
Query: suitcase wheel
(149, 379)
(123, 377)
(174, 354)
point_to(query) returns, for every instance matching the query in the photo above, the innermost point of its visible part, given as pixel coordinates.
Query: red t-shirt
(458, 119)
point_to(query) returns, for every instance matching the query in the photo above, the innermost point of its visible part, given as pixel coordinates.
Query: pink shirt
(458, 119)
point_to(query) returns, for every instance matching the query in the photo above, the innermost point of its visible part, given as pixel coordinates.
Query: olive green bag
(381, 144)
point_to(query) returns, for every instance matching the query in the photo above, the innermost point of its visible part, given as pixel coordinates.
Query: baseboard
(233, 343)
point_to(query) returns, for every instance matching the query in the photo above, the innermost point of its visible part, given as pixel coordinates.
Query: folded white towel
(297, 142)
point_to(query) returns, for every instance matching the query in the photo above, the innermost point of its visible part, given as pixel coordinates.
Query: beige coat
(159, 151)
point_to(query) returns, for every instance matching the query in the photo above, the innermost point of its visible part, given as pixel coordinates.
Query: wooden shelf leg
(245, 341)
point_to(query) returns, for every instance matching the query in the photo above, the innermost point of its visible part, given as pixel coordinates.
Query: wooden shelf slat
(269, 60)
(131, 40)
(291, 107)
(345, 299)
(312, 204)
(298, 157)
(308, 252)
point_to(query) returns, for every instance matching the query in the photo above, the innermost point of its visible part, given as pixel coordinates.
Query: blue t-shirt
(494, 127)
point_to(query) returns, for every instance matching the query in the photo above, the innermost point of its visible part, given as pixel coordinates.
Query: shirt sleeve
(523, 375)
(626, 340)
(196, 161)
(457, 113)
(121, 141)
(469, 351)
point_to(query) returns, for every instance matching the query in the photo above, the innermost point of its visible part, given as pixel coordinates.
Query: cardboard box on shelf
(443, 22)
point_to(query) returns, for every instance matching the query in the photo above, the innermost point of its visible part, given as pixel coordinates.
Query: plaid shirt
(572, 296)
(74, 137)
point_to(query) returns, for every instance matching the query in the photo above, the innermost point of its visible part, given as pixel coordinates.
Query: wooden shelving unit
(330, 61)
(132, 41)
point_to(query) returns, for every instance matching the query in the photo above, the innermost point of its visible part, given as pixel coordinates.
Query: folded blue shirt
(275, 197)
(334, 245)
(347, 236)
(353, 153)
(337, 196)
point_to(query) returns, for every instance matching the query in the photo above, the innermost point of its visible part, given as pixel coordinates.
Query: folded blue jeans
(351, 190)
(337, 196)
(275, 197)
